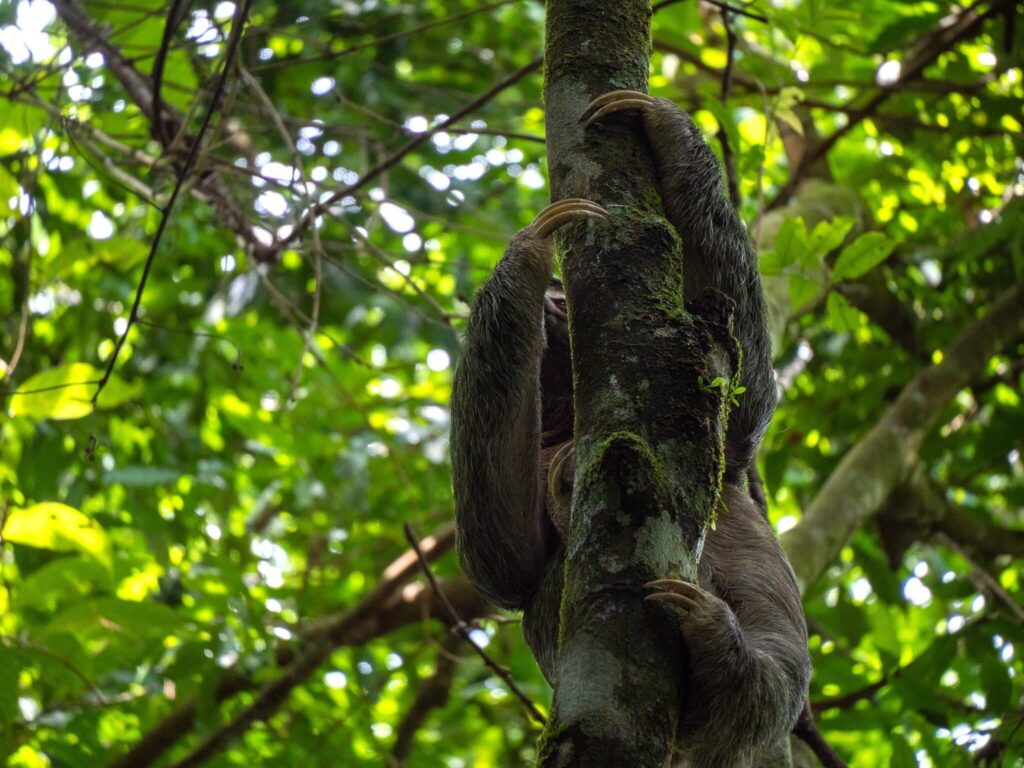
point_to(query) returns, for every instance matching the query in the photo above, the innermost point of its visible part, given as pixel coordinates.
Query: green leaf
(17, 123)
(65, 392)
(771, 263)
(8, 192)
(902, 753)
(829, 235)
(883, 629)
(789, 97)
(905, 27)
(63, 579)
(996, 682)
(725, 120)
(76, 258)
(110, 614)
(790, 118)
(802, 291)
(842, 316)
(862, 255)
(791, 241)
(885, 582)
(58, 527)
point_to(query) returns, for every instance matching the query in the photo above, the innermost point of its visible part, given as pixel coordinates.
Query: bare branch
(739, 10)
(137, 89)
(176, 14)
(461, 628)
(332, 55)
(983, 580)
(190, 160)
(723, 135)
(951, 30)
(42, 650)
(397, 156)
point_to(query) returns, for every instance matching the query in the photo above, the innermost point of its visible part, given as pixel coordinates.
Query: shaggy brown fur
(512, 457)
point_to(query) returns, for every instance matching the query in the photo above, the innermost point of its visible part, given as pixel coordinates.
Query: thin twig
(459, 626)
(941, 39)
(57, 658)
(237, 364)
(393, 159)
(300, 319)
(299, 177)
(235, 38)
(807, 730)
(737, 9)
(384, 38)
(137, 88)
(174, 18)
(723, 134)
(28, 184)
(847, 700)
(382, 257)
(394, 295)
(108, 169)
(982, 578)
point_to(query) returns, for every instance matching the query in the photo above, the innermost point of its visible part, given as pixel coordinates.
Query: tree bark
(649, 437)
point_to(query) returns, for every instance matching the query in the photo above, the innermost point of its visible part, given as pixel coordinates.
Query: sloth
(512, 461)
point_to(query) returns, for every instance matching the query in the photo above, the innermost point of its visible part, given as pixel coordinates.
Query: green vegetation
(202, 558)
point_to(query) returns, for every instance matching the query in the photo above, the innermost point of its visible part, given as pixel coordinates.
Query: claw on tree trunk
(679, 593)
(673, 599)
(615, 101)
(558, 214)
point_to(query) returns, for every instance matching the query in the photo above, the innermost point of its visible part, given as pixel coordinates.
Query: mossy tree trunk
(648, 433)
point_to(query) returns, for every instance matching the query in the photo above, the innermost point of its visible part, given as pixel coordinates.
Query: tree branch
(386, 608)
(462, 630)
(872, 296)
(393, 159)
(951, 30)
(919, 509)
(984, 581)
(137, 89)
(728, 157)
(884, 457)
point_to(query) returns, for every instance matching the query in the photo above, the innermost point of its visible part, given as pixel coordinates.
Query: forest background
(237, 243)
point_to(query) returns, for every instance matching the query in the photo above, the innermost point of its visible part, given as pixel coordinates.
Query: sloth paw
(708, 623)
(561, 213)
(682, 594)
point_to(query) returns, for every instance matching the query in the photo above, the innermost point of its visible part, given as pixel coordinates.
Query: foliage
(279, 408)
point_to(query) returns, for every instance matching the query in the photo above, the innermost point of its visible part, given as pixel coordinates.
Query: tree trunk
(649, 434)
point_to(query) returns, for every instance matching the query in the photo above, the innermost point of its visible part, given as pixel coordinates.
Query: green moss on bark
(648, 440)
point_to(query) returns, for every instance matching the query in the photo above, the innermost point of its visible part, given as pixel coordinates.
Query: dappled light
(239, 244)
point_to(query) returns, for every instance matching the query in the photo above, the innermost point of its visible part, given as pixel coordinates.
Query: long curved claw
(615, 101)
(683, 594)
(570, 202)
(675, 585)
(673, 599)
(558, 214)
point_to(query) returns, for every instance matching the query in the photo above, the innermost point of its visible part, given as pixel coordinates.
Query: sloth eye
(560, 303)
